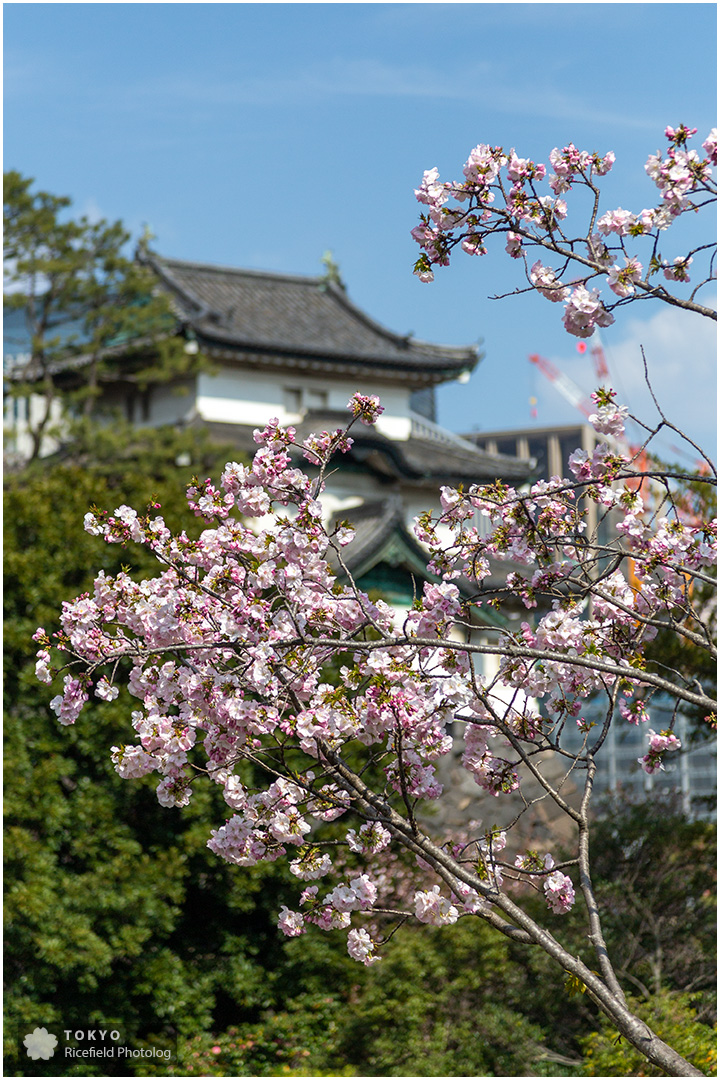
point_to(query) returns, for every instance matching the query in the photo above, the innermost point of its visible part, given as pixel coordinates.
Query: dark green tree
(85, 309)
(657, 874)
(115, 910)
(675, 1017)
(436, 1006)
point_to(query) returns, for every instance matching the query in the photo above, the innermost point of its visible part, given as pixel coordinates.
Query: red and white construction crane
(565, 385)
(572, 392)
(598, 354)
(577, 397)
(569, 390)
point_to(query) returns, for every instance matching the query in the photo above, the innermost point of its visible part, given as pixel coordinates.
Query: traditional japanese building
(297, 348)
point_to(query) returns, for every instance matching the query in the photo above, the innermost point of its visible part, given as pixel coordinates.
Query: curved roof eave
(380, 530)
(230, 348)
(253, 330)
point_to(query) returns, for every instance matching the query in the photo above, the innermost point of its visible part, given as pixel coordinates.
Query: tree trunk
(631, 1027)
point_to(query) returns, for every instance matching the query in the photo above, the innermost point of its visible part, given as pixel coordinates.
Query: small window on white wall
(316, 399)
(292, 399)
(297, 400)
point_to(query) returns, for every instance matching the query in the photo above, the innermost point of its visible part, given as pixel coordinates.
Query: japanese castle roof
(290, 320)
(382, 537)
(429, 457)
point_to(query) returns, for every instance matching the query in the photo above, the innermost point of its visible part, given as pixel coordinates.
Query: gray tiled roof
(377, 524)
(251, 311)
(425, 456)
(374, 522)
(414, 461)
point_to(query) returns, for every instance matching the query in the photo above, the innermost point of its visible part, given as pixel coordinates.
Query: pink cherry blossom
(513, 245)
(105, 691)
(431, 907)
(291, 923)
(365, 407)
(616, 221)
(710, 146)
(678, 270)
(559, 892)
(483, 164)
(471, 213)
(431, 191)
(370, 838)
(361, 947)
(43, 671)
(635, 712)
(584, 311)
(544, 280)
(610, 420)
(623, 280)
(660, 744)
(69, 704)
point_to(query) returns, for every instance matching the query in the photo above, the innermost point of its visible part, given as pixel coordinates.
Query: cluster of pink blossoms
(558, 887)
(682, 171)
(559, 892)
(228, 650)
(660, 743)
(365, 407)
(500, 195)
(431, 907)
(545, 528)
(610, 417)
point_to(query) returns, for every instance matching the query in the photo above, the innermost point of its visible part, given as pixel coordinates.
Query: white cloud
(681, 352)
(370, 77)
(357, 77)
(91, 210)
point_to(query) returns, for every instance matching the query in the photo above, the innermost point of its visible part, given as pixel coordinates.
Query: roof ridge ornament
(142, 248)
(332, 272)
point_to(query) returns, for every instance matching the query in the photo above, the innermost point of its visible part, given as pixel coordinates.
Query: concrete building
(690, 774)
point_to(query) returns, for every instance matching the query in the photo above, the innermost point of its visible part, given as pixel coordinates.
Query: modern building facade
(691, 774)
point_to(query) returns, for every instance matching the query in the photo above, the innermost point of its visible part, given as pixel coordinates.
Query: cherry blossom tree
(325, 717)
(487, 203)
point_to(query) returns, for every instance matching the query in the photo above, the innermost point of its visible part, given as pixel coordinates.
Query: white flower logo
(41, 1044)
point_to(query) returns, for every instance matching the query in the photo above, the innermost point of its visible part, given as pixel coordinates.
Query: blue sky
(261, 135)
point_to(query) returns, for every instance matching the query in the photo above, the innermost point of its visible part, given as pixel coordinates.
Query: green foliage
(654, 877)
(674, 1019)
(117, 912)
(656, 886)
(115, 909)
(88, 310)
(437, 1005)
(433, 1007)
(297, 1042)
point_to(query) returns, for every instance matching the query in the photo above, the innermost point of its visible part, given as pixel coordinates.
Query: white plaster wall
(335, 502)
(172, 404)
(239, 397)
(253, 397)
(346, 486)
(20, 416)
